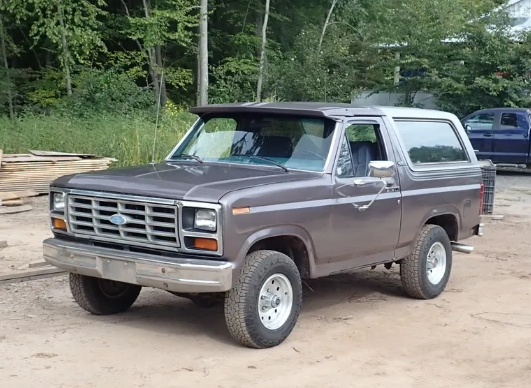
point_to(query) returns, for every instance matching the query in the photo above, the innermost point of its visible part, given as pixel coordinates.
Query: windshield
(294, 142)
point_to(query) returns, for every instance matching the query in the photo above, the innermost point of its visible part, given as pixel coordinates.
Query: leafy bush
(107, 91)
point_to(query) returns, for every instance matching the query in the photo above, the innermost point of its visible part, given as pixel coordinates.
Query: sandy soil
(356, 330)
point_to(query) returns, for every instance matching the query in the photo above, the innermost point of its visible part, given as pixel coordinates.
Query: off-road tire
(241, 302)
(88, 294)
(413, 268)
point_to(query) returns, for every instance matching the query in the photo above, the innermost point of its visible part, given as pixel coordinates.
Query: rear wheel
(102, 296)
(262, 309)
(426, 271)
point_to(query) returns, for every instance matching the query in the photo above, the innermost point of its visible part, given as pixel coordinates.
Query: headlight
(205, 219)
(58, 203)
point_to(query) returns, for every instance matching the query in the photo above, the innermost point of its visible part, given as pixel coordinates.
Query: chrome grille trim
(150, 223)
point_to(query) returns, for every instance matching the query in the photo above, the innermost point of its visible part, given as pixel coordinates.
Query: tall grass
(126, 138)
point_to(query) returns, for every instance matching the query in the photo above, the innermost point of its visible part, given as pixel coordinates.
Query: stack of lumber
(35, 171)
(15, 201)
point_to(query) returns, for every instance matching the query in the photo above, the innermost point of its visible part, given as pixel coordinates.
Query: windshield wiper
(188, 156)
(263, 158)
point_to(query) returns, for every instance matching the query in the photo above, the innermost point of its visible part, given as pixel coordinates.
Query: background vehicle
(501, 135)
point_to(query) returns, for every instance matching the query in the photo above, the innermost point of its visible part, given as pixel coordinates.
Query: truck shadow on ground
(160, 312)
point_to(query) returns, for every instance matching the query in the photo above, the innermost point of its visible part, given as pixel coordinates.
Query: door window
(509, 120)
(361, 145)
(344, 163)
(513, 121)
(483, 121)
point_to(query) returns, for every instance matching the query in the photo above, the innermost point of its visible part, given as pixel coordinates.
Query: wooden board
(31, 274)
(54, 153)
(32, 158)
(38, 264)
(15, 209)
(12, 202)
(17, 194)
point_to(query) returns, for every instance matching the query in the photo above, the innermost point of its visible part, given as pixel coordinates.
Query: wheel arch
(291, 240)
(449, 219)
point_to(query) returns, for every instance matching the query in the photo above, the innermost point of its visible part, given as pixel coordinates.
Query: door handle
(392, 188)
(488, 135)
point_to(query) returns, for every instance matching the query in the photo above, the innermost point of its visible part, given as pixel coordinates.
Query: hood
(181, 180)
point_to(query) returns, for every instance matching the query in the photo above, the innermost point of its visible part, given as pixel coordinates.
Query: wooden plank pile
(35, 171)
(15, 201)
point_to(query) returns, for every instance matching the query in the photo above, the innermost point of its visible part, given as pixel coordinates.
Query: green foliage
(46, 91)
(107, 91)
(75, 20)
(112, 53)
(127, 138)
(160, 24)
(492, 71)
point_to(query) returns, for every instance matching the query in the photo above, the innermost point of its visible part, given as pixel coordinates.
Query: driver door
(480, 130)
(369, 236)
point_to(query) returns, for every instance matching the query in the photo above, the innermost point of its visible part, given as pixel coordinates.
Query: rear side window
(431, 142)
(513, 121)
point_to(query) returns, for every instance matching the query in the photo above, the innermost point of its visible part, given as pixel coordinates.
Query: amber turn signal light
(241, 210)
(59, 223)
(207, 244)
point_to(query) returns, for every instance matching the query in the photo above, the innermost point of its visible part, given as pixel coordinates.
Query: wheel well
(448, 222)
(291, 246)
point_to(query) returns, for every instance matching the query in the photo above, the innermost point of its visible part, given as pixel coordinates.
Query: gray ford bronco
(257, 196)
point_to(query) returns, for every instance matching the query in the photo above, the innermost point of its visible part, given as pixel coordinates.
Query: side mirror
(381, 169)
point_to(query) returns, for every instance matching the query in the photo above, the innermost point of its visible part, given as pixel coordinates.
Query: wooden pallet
(35, 171)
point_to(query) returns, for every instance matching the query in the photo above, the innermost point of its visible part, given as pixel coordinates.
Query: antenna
(157, 118)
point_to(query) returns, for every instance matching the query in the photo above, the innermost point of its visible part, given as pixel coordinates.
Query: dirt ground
(355, 330)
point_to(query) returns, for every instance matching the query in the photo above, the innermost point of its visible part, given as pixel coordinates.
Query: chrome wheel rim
(436, 263)
(275, 301)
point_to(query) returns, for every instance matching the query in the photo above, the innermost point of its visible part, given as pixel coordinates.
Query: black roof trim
(315, 109)
(508, 109)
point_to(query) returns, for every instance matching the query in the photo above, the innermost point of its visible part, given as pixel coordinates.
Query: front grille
(148, 224)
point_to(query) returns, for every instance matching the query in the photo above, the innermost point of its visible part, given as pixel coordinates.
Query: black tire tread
(88, 296)
(235, 301)
(410, 266)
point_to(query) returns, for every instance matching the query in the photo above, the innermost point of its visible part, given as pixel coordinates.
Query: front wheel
(102, 296)
(262, 309)
(425, 272)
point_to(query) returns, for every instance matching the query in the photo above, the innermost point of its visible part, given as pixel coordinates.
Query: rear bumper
(188, 275)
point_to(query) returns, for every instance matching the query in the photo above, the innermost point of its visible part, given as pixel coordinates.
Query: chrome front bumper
(177, 275)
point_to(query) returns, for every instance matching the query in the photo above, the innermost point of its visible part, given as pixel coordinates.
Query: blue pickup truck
(501, 135)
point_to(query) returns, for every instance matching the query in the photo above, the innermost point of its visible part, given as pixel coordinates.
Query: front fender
(275, 231)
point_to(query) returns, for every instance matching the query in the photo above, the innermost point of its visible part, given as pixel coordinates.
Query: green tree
(491, 68)
(70, 25)
(153, 27)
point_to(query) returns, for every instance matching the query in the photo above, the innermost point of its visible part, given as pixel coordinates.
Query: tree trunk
(158, 59)
(262, 53)
(154, 61)
(6, 65)
(203, 53)
(140, 47)
(326, 23)
(198, 75)
(66, 54)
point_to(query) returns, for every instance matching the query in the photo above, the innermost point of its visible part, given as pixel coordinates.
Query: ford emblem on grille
(118, 219)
